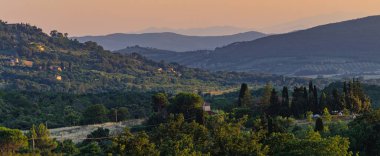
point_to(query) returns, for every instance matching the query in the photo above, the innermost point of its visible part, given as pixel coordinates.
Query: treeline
(348, 99)
(180, 127)
(21, 109)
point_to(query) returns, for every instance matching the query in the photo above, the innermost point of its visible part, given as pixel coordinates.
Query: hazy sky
(83, 17)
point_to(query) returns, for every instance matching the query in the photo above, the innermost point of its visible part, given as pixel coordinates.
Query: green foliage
(275, 106)
(326, 115)
(245, 97)
(67, 147)
(319, 125)
(92, 148)
(364, 133)
(40, 140)
(265, 99)
(20, 109)
(189, 104)
(95, 114)
(11, 140)
(139, 144)
(309, 116)
(282, 124)
(299, 101)
(313, 144)
(71, 116)
(178, 137)
(159, 101)
(352, 97)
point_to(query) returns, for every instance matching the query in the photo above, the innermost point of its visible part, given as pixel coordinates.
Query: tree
(364, 133)
(326, 115)
(285, 105)
(178, 137)
(11, 140)
(245, 97)
(338, 104)
(118, 114)
(312, 144)
(159, 102)
(102, 137)
(319, 125)
(92, 148)
(299, 101)
(98, 133)
(139, 144)
(40, 139)
(95, 114)
(275, 105)
(265, 99)
(67, 147)
(309, 116)
(229, 139)
(316, 106)
(71, 116)
(189, 104)
(322, 103)
(122, 114)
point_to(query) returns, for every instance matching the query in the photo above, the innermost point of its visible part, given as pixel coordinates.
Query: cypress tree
(285, 108)
(299, 101)
(275, 105)
(319, 125)
(270, 125)
(310, 86)
(315, 95)
(265, 99)
(322, 102)
(310, 97)
(306, 105)
(245, 97)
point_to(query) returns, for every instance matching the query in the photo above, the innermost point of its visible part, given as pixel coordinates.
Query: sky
(96, 17)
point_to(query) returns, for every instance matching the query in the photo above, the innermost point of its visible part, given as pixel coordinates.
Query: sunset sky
(85, 17)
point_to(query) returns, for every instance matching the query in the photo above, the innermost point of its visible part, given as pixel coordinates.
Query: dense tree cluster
(20, 109)
(351, 98)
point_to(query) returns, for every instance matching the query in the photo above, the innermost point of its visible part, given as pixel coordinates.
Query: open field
(79, 133)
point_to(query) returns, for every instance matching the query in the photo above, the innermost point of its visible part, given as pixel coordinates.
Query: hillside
(33, 60)
(169, 41)
(349, 47)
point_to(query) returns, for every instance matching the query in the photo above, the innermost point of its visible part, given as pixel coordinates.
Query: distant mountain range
(344, 48)
(205, 31)
(169, 41)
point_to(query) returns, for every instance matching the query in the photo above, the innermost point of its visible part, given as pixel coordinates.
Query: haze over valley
(342, 49)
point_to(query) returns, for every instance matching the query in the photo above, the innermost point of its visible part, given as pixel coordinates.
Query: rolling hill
(169, 41)
(34, 61)
(349, 47)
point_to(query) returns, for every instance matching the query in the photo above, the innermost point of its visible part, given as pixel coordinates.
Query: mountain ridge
(168, 40)
(330, 49)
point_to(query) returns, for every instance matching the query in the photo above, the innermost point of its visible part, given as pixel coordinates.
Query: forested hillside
(33, 60)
